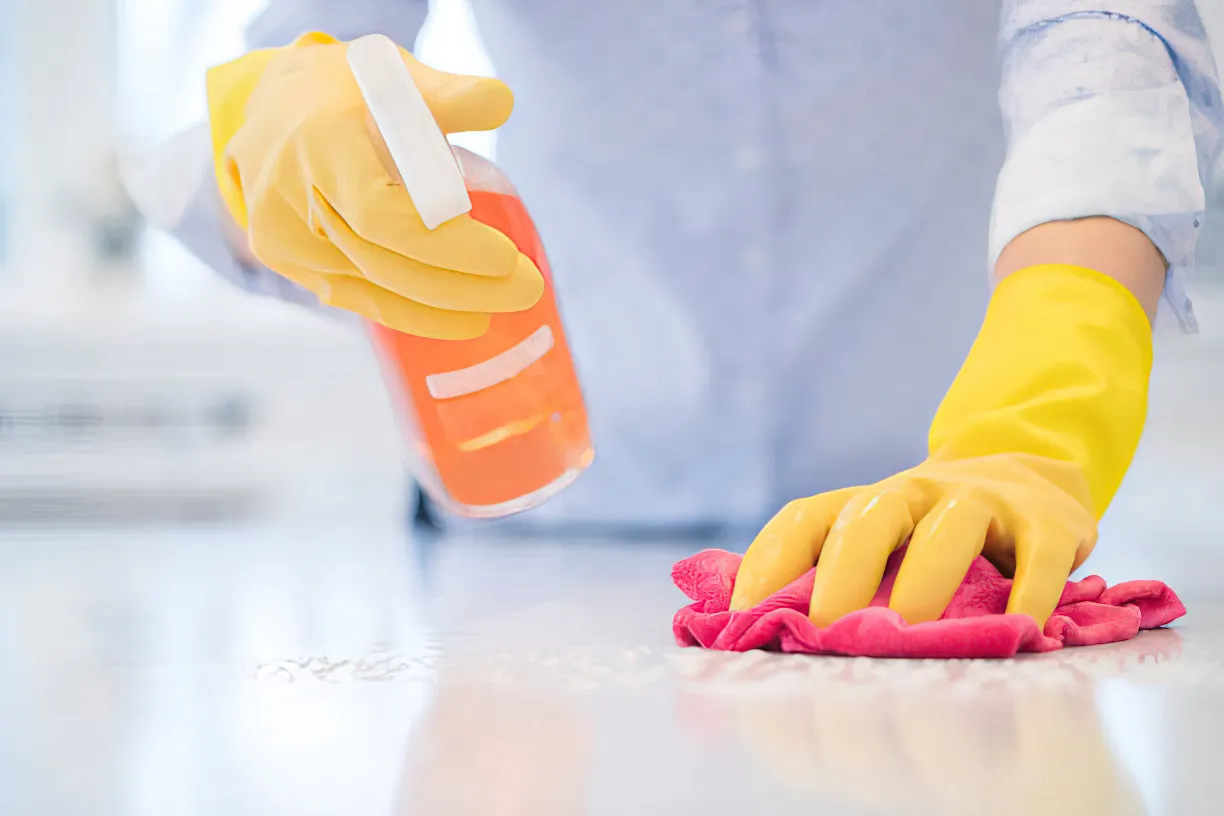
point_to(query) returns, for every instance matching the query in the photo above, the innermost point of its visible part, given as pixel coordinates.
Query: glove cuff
(1059, 370)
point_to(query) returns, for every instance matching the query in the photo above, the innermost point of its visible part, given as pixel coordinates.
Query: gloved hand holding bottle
(333, 158)
(302, 177)
(1026, 451)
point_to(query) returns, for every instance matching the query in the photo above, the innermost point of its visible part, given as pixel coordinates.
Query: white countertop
(342, 671)
(335, 669)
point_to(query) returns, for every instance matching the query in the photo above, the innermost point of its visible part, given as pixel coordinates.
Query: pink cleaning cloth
(974, 624)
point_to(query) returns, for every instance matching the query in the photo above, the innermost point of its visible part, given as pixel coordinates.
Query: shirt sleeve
(173, 185)
(1112, 108)
(282, 21)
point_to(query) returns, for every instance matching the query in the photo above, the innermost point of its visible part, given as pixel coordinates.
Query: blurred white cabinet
(119, 409)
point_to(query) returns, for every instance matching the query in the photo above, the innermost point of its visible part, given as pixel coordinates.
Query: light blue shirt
(771, 223)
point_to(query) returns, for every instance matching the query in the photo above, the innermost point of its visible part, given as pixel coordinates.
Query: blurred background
(204, 594)
(138, 389)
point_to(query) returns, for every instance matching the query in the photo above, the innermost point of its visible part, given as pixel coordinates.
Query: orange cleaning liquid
(492, 439)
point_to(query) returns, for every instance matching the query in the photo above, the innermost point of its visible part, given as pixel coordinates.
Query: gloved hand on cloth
(1026, 453)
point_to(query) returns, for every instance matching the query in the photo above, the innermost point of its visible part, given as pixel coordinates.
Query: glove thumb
(459, 102)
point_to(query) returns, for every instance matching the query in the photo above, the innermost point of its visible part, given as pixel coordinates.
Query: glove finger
(401, 314)
(786, 547)
(432, 286)
(346, 290)
(940, 552)
(357, 183)
(1044, 558)
(311, 280)
(317, 264)
(460, 102)
(293, 250)
(870, 527)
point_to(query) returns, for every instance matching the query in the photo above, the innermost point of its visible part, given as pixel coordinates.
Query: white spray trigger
(417, 145)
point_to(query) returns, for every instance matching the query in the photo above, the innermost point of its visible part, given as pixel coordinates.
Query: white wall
(64, 60)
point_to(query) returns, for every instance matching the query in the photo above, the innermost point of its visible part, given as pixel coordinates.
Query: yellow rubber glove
(1026, 452)
(299, 169)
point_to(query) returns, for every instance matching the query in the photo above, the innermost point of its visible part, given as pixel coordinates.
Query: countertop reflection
(346, 671)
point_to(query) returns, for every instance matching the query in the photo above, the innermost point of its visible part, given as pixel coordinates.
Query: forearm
(1113, 112)
(1108, 246)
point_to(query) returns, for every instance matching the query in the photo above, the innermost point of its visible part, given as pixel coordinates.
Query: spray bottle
(496, 425)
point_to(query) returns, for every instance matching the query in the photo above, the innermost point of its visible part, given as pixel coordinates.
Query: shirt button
(737, 23)
(748, 159)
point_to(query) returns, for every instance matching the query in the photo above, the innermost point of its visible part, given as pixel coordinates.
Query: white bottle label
(507, 365)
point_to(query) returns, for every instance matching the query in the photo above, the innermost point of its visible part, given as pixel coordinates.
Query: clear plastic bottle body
(496, 425)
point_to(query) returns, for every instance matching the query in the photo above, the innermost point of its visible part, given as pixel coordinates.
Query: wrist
(1060, 370)
(1112, 248)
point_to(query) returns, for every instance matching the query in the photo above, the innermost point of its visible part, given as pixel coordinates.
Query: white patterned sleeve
(1112, 108)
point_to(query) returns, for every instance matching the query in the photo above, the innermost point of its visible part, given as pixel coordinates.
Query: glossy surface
(356, 672)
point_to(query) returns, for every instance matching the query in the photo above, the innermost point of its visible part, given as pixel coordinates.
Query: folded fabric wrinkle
(975, 624)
